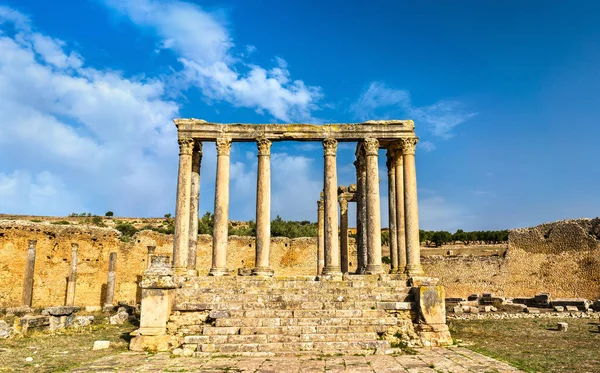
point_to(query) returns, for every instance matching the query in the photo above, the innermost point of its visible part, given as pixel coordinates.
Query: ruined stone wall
(289, 257)
(562, 258)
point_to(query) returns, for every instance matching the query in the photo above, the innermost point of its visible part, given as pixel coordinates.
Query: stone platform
(253, 316)
(434, 360)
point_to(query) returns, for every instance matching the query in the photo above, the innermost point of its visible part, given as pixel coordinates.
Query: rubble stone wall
(53, 255)
(561, 258)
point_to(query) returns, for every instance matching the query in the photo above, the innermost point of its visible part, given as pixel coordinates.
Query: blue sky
(504, 96)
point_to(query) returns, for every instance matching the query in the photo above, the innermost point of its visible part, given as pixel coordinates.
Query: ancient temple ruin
(330, 312)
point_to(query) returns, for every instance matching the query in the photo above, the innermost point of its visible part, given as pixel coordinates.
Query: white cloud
(427, 146)
(206, 51)
(75, 137)
(379, 101)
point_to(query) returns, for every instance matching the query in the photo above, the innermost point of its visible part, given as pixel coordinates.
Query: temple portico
(396, 136)
(262, 312)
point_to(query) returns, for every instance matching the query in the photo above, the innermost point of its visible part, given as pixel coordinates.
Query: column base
(415, 270)
(262, 271)
(373, 269)
(218, 272)
(331, 271)
(192, 272)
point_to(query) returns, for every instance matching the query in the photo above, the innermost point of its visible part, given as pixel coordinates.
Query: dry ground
(61, 351)
(534, 345)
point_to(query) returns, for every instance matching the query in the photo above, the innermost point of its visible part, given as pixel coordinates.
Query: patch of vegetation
(439, 238)
(94, 220)
(293, 229)
(36, 220)
(127, 230)
(61, 222)
(534, 345)
(64, 350)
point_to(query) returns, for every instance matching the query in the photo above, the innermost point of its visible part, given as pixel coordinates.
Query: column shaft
(27, 296)
(72, 279)
(373, 207)
(263, 210)
(361, 213)
(332, 250)
(400, 221)
(110, 283)
(344, 235)
(320, 236)
(194, 205)
(182, 207)
(411, 209)
(221, 219)
(393, 232)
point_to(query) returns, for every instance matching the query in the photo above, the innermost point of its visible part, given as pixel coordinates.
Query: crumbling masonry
(331, 312)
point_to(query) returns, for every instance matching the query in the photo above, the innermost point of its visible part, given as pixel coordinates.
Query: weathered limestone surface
(111, 280)
(381, 129)
(194, 205)
(263, 210)
(182, 205)
(411, 209)
(332, 254)
(28, 276)
(72, 279)
(374, 266)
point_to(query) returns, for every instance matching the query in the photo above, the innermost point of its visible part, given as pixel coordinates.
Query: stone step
(280, 338)
(181, 305)
(348, 347)
(305, 321)
(261, 298)
(275, 313)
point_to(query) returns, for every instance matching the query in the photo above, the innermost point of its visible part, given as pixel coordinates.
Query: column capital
(223, 146)
(264, 146)
(186, 145)
(330, 146)
(409, 145)
(371, 146)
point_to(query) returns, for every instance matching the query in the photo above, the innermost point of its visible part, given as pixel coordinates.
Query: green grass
(534, 345)
(64, 350)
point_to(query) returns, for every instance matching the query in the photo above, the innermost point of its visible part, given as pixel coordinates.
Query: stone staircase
(240, 315)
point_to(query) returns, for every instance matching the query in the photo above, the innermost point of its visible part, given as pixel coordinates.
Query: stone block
(61, 310)
(5, 329)
(101, 345)
(473, 297)
(430, 302)
(581, 304)
(457, 309)
(473, 309)
(559, 309)
(530, 310)
(563, 326)
(119, 318)
(28, 323)
(571, 309)
(487, 309)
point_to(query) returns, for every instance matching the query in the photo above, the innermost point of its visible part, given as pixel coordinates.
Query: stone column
(400, 224)
(374, 266)
(391, 168)
(221, 219)
(411, 209)
(361, 214)
(151, 250)
(182, 207)
(110, 283)
(320, 236)
(194, 205)
(27, 297)
(70, 301)
(263, 210)
(344, 235)
(332, 250)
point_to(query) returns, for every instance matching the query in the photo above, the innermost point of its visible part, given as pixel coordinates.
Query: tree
(168, 216)
(109, 214)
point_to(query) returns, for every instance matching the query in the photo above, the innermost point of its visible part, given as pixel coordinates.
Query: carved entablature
(264, 146)
(186, 145)
(409, 145)
(330, 146)
(371, 146)
(223, 146)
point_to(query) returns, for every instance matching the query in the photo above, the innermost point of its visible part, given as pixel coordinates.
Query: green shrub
(61, 222)
(127, 230)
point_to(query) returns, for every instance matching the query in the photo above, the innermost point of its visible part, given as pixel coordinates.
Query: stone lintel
(383, 130)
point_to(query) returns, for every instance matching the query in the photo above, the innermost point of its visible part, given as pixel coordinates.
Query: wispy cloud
(380, 101)
(207, 54)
